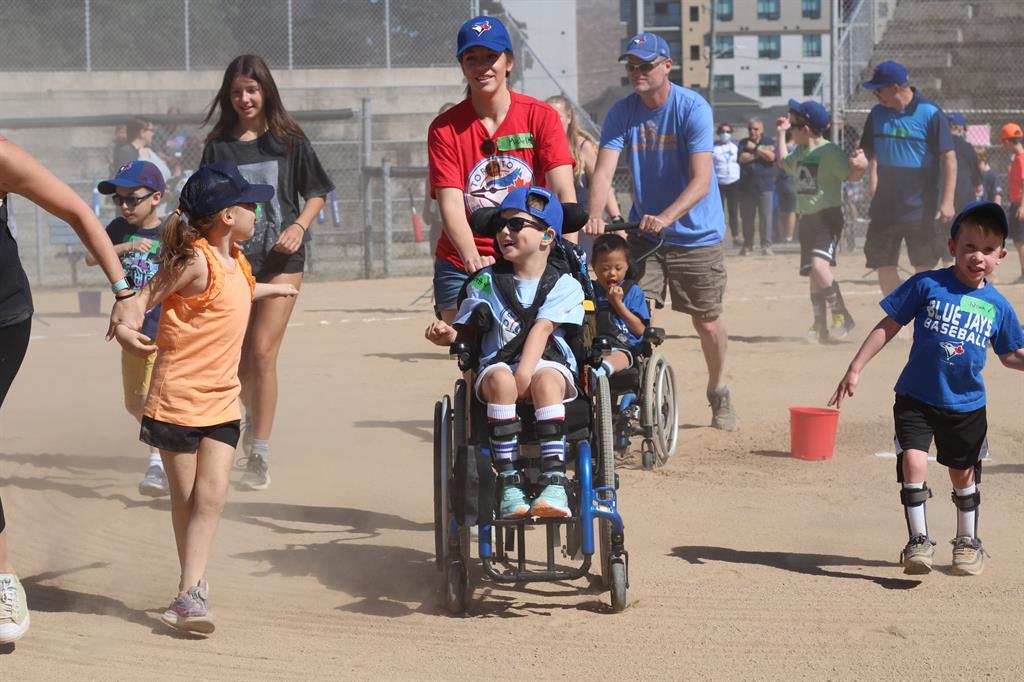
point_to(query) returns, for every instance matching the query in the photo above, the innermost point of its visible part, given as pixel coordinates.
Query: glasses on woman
(130, 202)
(517, 224)
(643, 68)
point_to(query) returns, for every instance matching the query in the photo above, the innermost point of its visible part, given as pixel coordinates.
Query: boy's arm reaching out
(1014, 359)
(876, 340)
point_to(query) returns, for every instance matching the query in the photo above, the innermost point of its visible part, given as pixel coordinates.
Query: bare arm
(263, 290)
(536, 341)
(701, 170)
(600, 186)
(1014, 360)
(872, 178)
(876, 340)
(292, 235)
(119, 249)
(946, 210)
(452, 204)
(633, 321)
(588, 157)
(858, 165)
(767, 152)
(191, 280)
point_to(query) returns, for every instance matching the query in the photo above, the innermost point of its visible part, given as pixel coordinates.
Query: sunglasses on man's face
(517, 224)
(130, 202)
(645, 67)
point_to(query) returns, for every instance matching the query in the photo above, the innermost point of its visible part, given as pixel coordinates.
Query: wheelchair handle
(634, 226)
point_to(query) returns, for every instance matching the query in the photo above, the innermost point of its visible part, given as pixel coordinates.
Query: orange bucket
(812, 432)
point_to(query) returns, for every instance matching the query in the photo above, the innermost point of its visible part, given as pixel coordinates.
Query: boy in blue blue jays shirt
(524, 354)
(940, 394)
(622, 311)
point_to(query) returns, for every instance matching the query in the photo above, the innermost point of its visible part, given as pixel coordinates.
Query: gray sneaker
(968, 556)
(190, 611)
(723, 415)
(256, 476)
(154, 484)
(916, 557)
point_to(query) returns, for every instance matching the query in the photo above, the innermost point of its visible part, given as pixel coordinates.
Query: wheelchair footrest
(506, 530)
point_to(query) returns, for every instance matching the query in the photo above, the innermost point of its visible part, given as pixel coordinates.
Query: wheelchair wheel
(660, 409)
(460, 409)
(604, 476)
(456, 592)
(442, 474)
(618, 584)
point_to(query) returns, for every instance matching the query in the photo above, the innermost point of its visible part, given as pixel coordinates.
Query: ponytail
(178, 235)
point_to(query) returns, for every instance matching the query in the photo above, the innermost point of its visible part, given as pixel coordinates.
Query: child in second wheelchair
(622, 311)
(524, 353)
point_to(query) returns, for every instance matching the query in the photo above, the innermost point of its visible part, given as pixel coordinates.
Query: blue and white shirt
(564, 305)
(635, 302)
(953, 327)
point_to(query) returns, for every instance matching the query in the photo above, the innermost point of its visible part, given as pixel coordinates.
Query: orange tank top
(199, 343)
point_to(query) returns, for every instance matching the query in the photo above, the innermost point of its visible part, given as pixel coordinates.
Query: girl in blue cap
(192, 415)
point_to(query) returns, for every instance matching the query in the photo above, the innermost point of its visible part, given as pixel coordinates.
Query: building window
(725, 83)
(768, 9)
(724, 47)
(812, 44)
(770, 84)
(769, 47)
(723, 9)
(694, 13)
(663, 13)
(694, 53)
(811, 9)
(810, 82)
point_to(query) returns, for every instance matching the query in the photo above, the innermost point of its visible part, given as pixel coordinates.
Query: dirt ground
(745, 563)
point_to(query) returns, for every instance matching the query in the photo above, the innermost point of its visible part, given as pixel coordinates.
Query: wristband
(296, 222)
(126, 296)
(616, 219)
(120, 285)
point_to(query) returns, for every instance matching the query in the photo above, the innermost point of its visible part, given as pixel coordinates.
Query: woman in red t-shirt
(490, 143)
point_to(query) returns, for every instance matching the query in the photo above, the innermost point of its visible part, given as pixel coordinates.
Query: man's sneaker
(14, 620)
(154, 484)
(968, 556)
(842, 324)
(513, 503)
(190, 612)
(723, 416)
(256, 476)
(916, 557)
(553, 502)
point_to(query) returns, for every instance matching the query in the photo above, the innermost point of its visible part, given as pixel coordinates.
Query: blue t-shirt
(564, 305)
(658, 143)
(758, 175)
(635, 302)
(907, 145)
(953, 326)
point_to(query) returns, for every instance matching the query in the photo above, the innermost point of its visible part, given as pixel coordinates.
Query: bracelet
(616, 219)
(125, 298)
(120, 285)
(296, 222)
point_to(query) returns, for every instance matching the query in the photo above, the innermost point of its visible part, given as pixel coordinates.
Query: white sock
(550, 412)
(607, 367)
(261, 448)
(155, 460)
(916, 515)
(503, 413)
(965, 519)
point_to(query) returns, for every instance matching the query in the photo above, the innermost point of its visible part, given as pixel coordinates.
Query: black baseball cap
(217, 186)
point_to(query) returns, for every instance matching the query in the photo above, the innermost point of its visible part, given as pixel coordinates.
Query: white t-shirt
(725, 156)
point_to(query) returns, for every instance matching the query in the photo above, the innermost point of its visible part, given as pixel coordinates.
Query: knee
(261, 357)
(209, 499)
(547, 382)
(497, 384)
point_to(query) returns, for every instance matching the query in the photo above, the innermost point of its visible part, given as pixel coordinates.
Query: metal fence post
(88, 36)
(389, 247)
(40, 265)
(387, 33)
(364, 162)
(188, 37)
(291, 38)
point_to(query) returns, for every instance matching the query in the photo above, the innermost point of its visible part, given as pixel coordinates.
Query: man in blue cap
(667, 133)
(913, 174)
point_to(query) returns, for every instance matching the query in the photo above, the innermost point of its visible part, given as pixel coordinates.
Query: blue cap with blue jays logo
(550, 215)
(132, 175)
(648, 47)
(483, 32)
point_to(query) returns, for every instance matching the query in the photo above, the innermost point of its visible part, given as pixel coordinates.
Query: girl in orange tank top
(192, 413)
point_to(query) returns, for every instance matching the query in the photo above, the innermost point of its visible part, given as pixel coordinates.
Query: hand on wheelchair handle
(629, 226)
(656, 335)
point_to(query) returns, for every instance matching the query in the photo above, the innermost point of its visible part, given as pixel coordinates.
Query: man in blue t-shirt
(913, 174)
(940, 395)
(667, 134)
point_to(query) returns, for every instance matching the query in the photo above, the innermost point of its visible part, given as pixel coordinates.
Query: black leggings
(13, 344)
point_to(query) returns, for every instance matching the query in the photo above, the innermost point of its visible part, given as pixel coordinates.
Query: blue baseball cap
(956, 119)
(989, 209)
(648, 47)
(887, 73)
(217, 186)
(815, 113)
(132, 175)
(483, 32)
(550, 215)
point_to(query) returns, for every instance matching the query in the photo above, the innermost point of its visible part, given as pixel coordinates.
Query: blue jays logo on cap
(481, 27)
(639, 40)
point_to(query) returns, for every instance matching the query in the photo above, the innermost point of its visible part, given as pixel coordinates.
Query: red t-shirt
(527, 144)
(1016, 178)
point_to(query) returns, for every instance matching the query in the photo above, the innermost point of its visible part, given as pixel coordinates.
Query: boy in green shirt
(820, 167)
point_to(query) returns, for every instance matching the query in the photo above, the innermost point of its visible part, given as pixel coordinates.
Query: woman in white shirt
(727, 169)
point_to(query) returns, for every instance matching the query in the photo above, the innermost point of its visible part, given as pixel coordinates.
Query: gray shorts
(694, 276)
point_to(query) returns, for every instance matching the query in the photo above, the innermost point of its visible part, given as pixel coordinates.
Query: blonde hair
(178, 236)
(577, 136)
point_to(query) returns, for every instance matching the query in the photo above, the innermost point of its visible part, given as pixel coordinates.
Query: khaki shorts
(135, 375)
(694, 276)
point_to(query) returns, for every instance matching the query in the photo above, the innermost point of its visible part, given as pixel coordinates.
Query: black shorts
(960, 437)
(1016, 227)
(819, 237)
(882, 244)
(266, 266)
(177, 438)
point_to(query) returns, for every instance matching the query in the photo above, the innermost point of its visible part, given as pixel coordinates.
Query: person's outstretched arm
(876, 340)
(1014, 360)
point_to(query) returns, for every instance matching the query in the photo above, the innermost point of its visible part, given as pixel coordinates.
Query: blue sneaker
(553, 502)
(513, 503)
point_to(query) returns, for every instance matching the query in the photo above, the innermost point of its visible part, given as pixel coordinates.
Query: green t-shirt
(819, 173)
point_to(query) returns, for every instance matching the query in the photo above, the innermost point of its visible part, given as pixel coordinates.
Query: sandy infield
(745, 563)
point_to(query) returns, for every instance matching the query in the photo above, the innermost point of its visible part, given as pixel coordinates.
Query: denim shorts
(448, 281)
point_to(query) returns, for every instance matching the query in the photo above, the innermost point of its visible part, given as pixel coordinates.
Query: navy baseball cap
(550, 215)
(648, 47)
(483, 32)
(887, 73)
(132, 175)
(815, 113)
(217, 186)
(956, 119)
(989, 209)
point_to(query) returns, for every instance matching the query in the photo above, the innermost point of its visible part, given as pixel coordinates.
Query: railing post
(389, 246)
(88, 35)
(364, 157)
(387, 33)
(291, 38)
(188, 37)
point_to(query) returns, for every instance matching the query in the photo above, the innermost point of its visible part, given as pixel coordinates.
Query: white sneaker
(14, 620)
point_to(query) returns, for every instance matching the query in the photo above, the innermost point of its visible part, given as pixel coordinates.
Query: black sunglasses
(643, 68)
(487, 147)
(130, 202)
(516, 224)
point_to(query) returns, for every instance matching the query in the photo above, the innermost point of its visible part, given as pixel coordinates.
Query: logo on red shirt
(493, 178)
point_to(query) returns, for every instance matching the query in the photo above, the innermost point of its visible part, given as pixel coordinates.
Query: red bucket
(812, 432)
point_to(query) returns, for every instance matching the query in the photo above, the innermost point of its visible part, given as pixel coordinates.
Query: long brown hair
(575, 134)
(178, 237)
(278, 120)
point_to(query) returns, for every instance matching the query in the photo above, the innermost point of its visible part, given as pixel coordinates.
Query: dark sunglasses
(487, 147)
(130, 202)
(516, 224)
(643, 68)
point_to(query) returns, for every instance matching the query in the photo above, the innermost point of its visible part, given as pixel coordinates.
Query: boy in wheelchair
(622, 312)
(520, 307)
